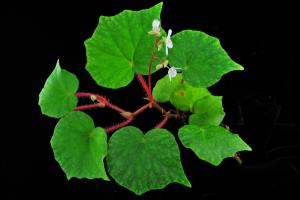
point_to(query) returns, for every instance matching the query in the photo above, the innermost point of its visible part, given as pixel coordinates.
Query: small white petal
(156, 23)
(156, 26)
(172, 72)
(169, 33)
(169, 43)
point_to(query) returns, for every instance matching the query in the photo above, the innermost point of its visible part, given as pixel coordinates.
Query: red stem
(150, 63)
(140, 110)
(88, 94)
(145, 87)
(117, 126)
(84, 94)
(163, 122)
(124, 123)
(114, 107)
(90, 106)
(101, 99)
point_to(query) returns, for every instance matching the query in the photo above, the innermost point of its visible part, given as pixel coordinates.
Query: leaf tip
(160, 4)
(248, 148)
(69, 176)
(240, 67)
(188, 184)
(106, 178)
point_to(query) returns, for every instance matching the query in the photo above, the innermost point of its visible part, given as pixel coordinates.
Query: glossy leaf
(201, 57)
(58, 94)
(144, 162)
(209, 111)
(79, 147)
(121, 46)
(211, 143)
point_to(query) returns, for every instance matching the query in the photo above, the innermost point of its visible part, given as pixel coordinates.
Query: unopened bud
(93, 97)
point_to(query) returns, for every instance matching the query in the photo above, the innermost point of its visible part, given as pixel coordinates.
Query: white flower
(155, 28)
(172, 72)
(156, 25)
(169, 43)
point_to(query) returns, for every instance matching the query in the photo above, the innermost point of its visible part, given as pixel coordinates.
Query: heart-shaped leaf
(121, 46)
(79, 147)
(58, 95)
(211, 143)
(201, 57)
(144, 162)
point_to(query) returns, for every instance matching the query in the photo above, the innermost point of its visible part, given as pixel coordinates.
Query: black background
(260, 102)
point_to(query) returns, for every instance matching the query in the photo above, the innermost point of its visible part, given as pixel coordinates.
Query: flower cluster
(172, 72)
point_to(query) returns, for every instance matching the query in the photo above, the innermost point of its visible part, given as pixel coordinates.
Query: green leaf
(180, 94)
(211, 143)
(209, 111)
(121, 46)
(79, 147)
(201, 57)
(58, 95)
(184, 96)
(144, 162)
(164, 88)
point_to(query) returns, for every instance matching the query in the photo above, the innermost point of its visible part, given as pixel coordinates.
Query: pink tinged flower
(172, 72)
(169, 43)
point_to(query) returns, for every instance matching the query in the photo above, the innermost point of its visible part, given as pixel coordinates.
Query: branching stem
(145, 87)
(130, 116)
(117, 126)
